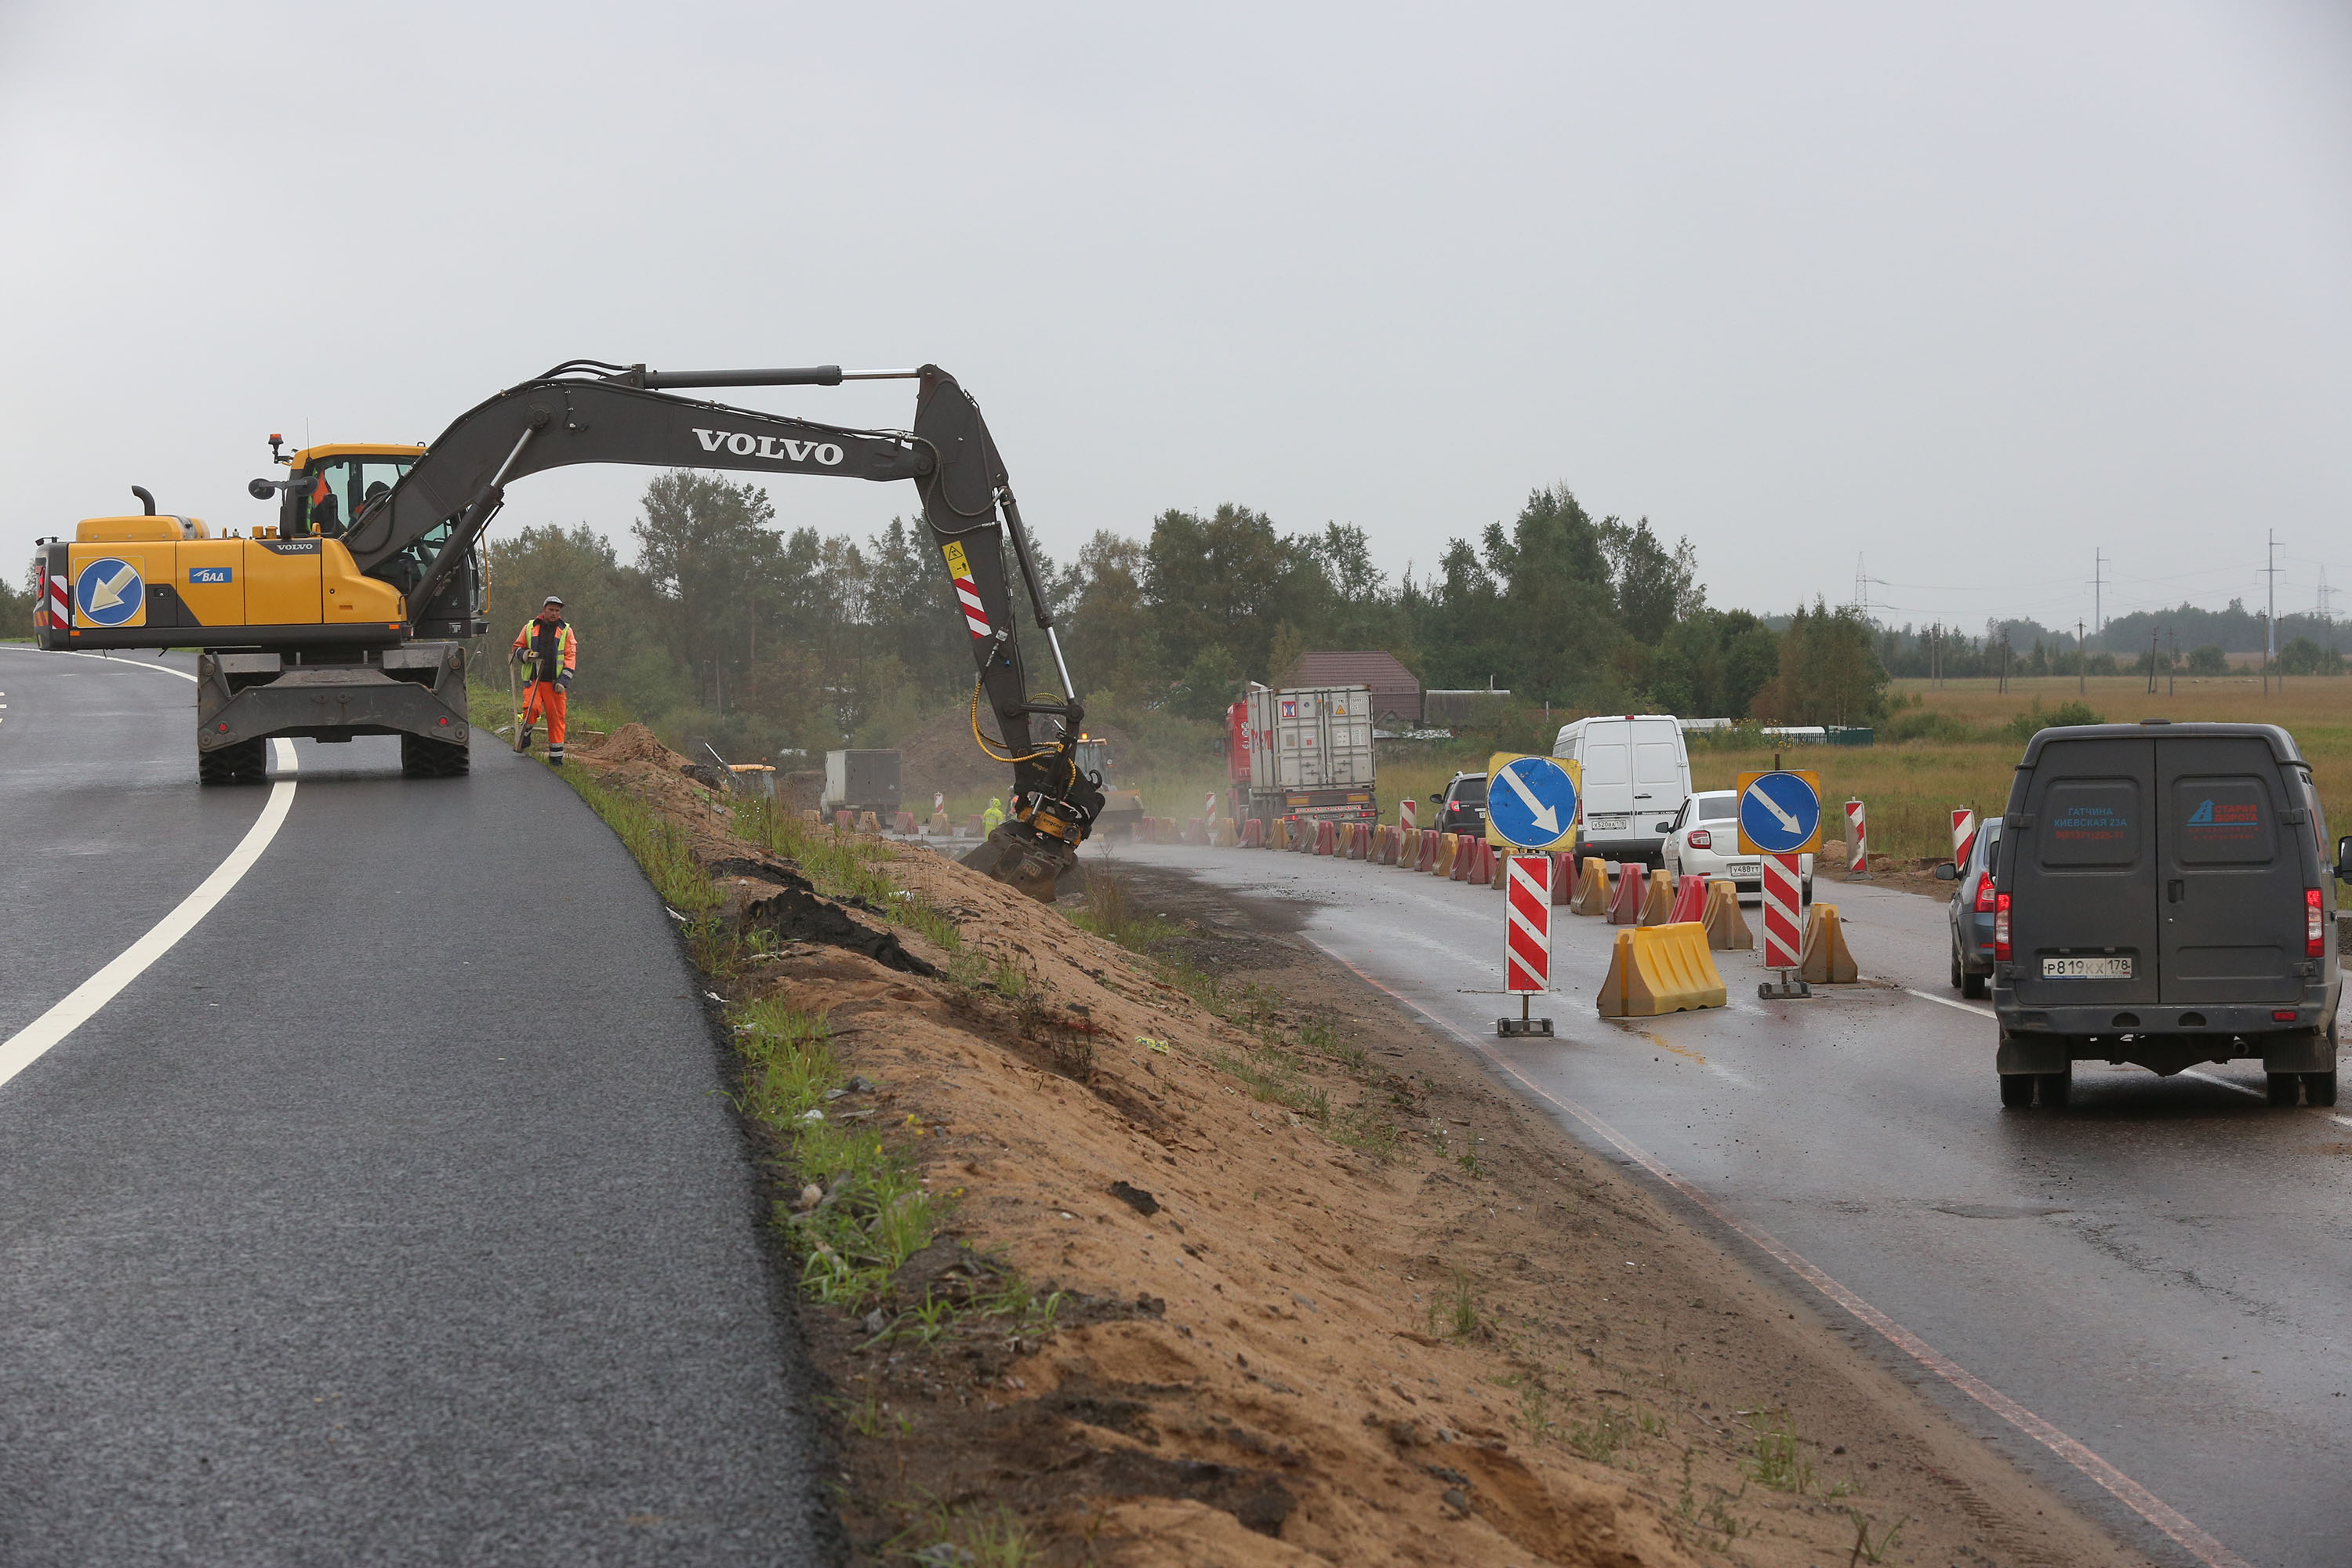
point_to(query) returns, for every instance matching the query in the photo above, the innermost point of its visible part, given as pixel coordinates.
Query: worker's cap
(552, 599)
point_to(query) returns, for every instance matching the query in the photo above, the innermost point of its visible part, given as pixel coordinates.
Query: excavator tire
(242, 762)
(423, 759)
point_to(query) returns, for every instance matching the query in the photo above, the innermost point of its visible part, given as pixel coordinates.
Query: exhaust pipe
(145, 499)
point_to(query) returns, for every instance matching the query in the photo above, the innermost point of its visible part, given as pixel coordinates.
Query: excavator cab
(330, 485)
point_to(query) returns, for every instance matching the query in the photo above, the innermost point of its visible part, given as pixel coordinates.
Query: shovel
(521, 735)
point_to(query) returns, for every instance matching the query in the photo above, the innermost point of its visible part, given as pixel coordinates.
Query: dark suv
(1463, 808)
(2164, 896)
(1972, 911)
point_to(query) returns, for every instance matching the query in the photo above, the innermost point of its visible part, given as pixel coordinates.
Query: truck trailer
(1302, 752)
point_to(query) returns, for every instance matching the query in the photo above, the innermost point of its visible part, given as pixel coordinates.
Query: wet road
(2158, 1273)
(395, 1212)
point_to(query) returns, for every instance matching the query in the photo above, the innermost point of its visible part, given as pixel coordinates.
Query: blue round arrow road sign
(1779, 813)
(108, 592)
(1531, 802)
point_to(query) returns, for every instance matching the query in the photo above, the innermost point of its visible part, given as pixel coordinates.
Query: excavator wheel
(1023, 860)
(423, 759)
(242, 762)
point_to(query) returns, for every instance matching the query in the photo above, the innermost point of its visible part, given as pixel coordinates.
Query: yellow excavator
(345, 616)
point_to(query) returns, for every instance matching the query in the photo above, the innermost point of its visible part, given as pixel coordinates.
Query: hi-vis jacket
(550, 650)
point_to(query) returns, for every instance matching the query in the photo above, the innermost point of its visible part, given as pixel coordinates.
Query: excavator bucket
(1023, 859)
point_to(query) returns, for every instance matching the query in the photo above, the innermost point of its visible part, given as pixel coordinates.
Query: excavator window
(337, 488)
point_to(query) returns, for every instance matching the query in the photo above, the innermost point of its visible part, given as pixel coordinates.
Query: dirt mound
(942, 757)
(629, 743)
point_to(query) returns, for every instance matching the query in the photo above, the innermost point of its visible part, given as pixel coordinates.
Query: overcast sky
(1972, 291)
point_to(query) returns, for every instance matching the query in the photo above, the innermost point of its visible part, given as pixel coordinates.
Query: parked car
(1703, 840)
(1972, 912)
(1636, 777)
(2164, 894)
(1462, 805)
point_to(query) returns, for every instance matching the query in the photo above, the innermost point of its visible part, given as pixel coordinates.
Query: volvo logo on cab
(744, 445)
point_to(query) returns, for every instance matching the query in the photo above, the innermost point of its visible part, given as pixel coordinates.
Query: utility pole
(2270, 617)
(2172, 657)
(2098, 588)
(2081, 662)
(2151, 660)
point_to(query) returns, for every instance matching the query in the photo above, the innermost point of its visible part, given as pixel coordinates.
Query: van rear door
(1661, 779)
(1608, 771)
(2231, 869)
(2083, 876)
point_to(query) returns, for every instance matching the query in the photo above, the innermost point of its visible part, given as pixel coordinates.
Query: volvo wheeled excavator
(343, 618)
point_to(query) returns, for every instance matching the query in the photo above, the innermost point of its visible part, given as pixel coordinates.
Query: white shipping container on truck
(1311, 752)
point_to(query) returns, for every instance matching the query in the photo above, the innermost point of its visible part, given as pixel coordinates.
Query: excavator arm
(587, 412)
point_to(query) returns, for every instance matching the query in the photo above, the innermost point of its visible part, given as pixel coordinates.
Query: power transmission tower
(2098, 587)
(2082, 662)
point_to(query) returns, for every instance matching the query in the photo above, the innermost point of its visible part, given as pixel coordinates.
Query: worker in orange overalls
(550, 651)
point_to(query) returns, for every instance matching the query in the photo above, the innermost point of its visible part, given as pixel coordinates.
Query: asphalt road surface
(2147, 1292)
(395, 1214)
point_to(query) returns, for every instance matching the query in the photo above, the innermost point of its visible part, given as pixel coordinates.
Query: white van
(1636, 777)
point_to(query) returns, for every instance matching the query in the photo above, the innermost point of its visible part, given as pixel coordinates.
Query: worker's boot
(523, 738)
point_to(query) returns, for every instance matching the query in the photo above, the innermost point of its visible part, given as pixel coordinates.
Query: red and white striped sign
(1405, 814)
(1209, 808)
(1784, 910)
(1857, 835)
(975, 614)
(1964, 832)
(1526, 947)
(60, 603)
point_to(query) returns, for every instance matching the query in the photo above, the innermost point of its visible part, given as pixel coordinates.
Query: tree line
(767, 639)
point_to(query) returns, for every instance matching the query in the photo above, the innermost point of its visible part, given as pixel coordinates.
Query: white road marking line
(2130, 1494)
(1947, 1002)
(2225, 1083)
(29, 1044)
(76, 653)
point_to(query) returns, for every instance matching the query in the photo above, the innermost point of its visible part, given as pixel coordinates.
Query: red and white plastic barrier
(1526, 956)
(1690, 900)
(1784, 910)
(1857, 840)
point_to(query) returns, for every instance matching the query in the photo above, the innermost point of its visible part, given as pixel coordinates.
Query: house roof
(1375, 669)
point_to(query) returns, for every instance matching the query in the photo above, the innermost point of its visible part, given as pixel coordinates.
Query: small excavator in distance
(345, 616)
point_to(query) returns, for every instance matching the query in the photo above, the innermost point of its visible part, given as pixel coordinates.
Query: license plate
(2088, 968)
(1607, 823)
(1744, 868)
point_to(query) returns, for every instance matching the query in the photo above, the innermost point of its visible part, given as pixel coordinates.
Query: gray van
(2165, 895)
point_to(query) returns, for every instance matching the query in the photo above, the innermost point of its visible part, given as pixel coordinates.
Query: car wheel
(2319, 1087)
(2054, 1088)
(2285, 1088)
(1978, 986)
(2016, 1090)
(1960, 979)
(1809, 891)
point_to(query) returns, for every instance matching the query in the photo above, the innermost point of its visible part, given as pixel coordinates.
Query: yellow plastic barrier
(1656, 970)
(1824, 959)
(1447, 845)
(1223, 837)
(1658, 901)
(1591, 888)
(1725, 928)
(1501, 877)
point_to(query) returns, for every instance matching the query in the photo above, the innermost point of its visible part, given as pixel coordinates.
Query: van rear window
(2223, 822)
(2091, 821)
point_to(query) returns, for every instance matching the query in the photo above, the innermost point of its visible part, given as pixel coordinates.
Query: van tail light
(1984, 895)
(2000, 927)
(1700, 839)
(2314, 932)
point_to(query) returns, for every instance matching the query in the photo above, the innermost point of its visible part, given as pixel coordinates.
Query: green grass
(1778, 1459)
(661, 847)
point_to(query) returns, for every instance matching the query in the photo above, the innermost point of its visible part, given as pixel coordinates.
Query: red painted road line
(2175, 1525)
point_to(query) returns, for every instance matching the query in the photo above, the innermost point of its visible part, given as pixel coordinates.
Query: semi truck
(1302, 752)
